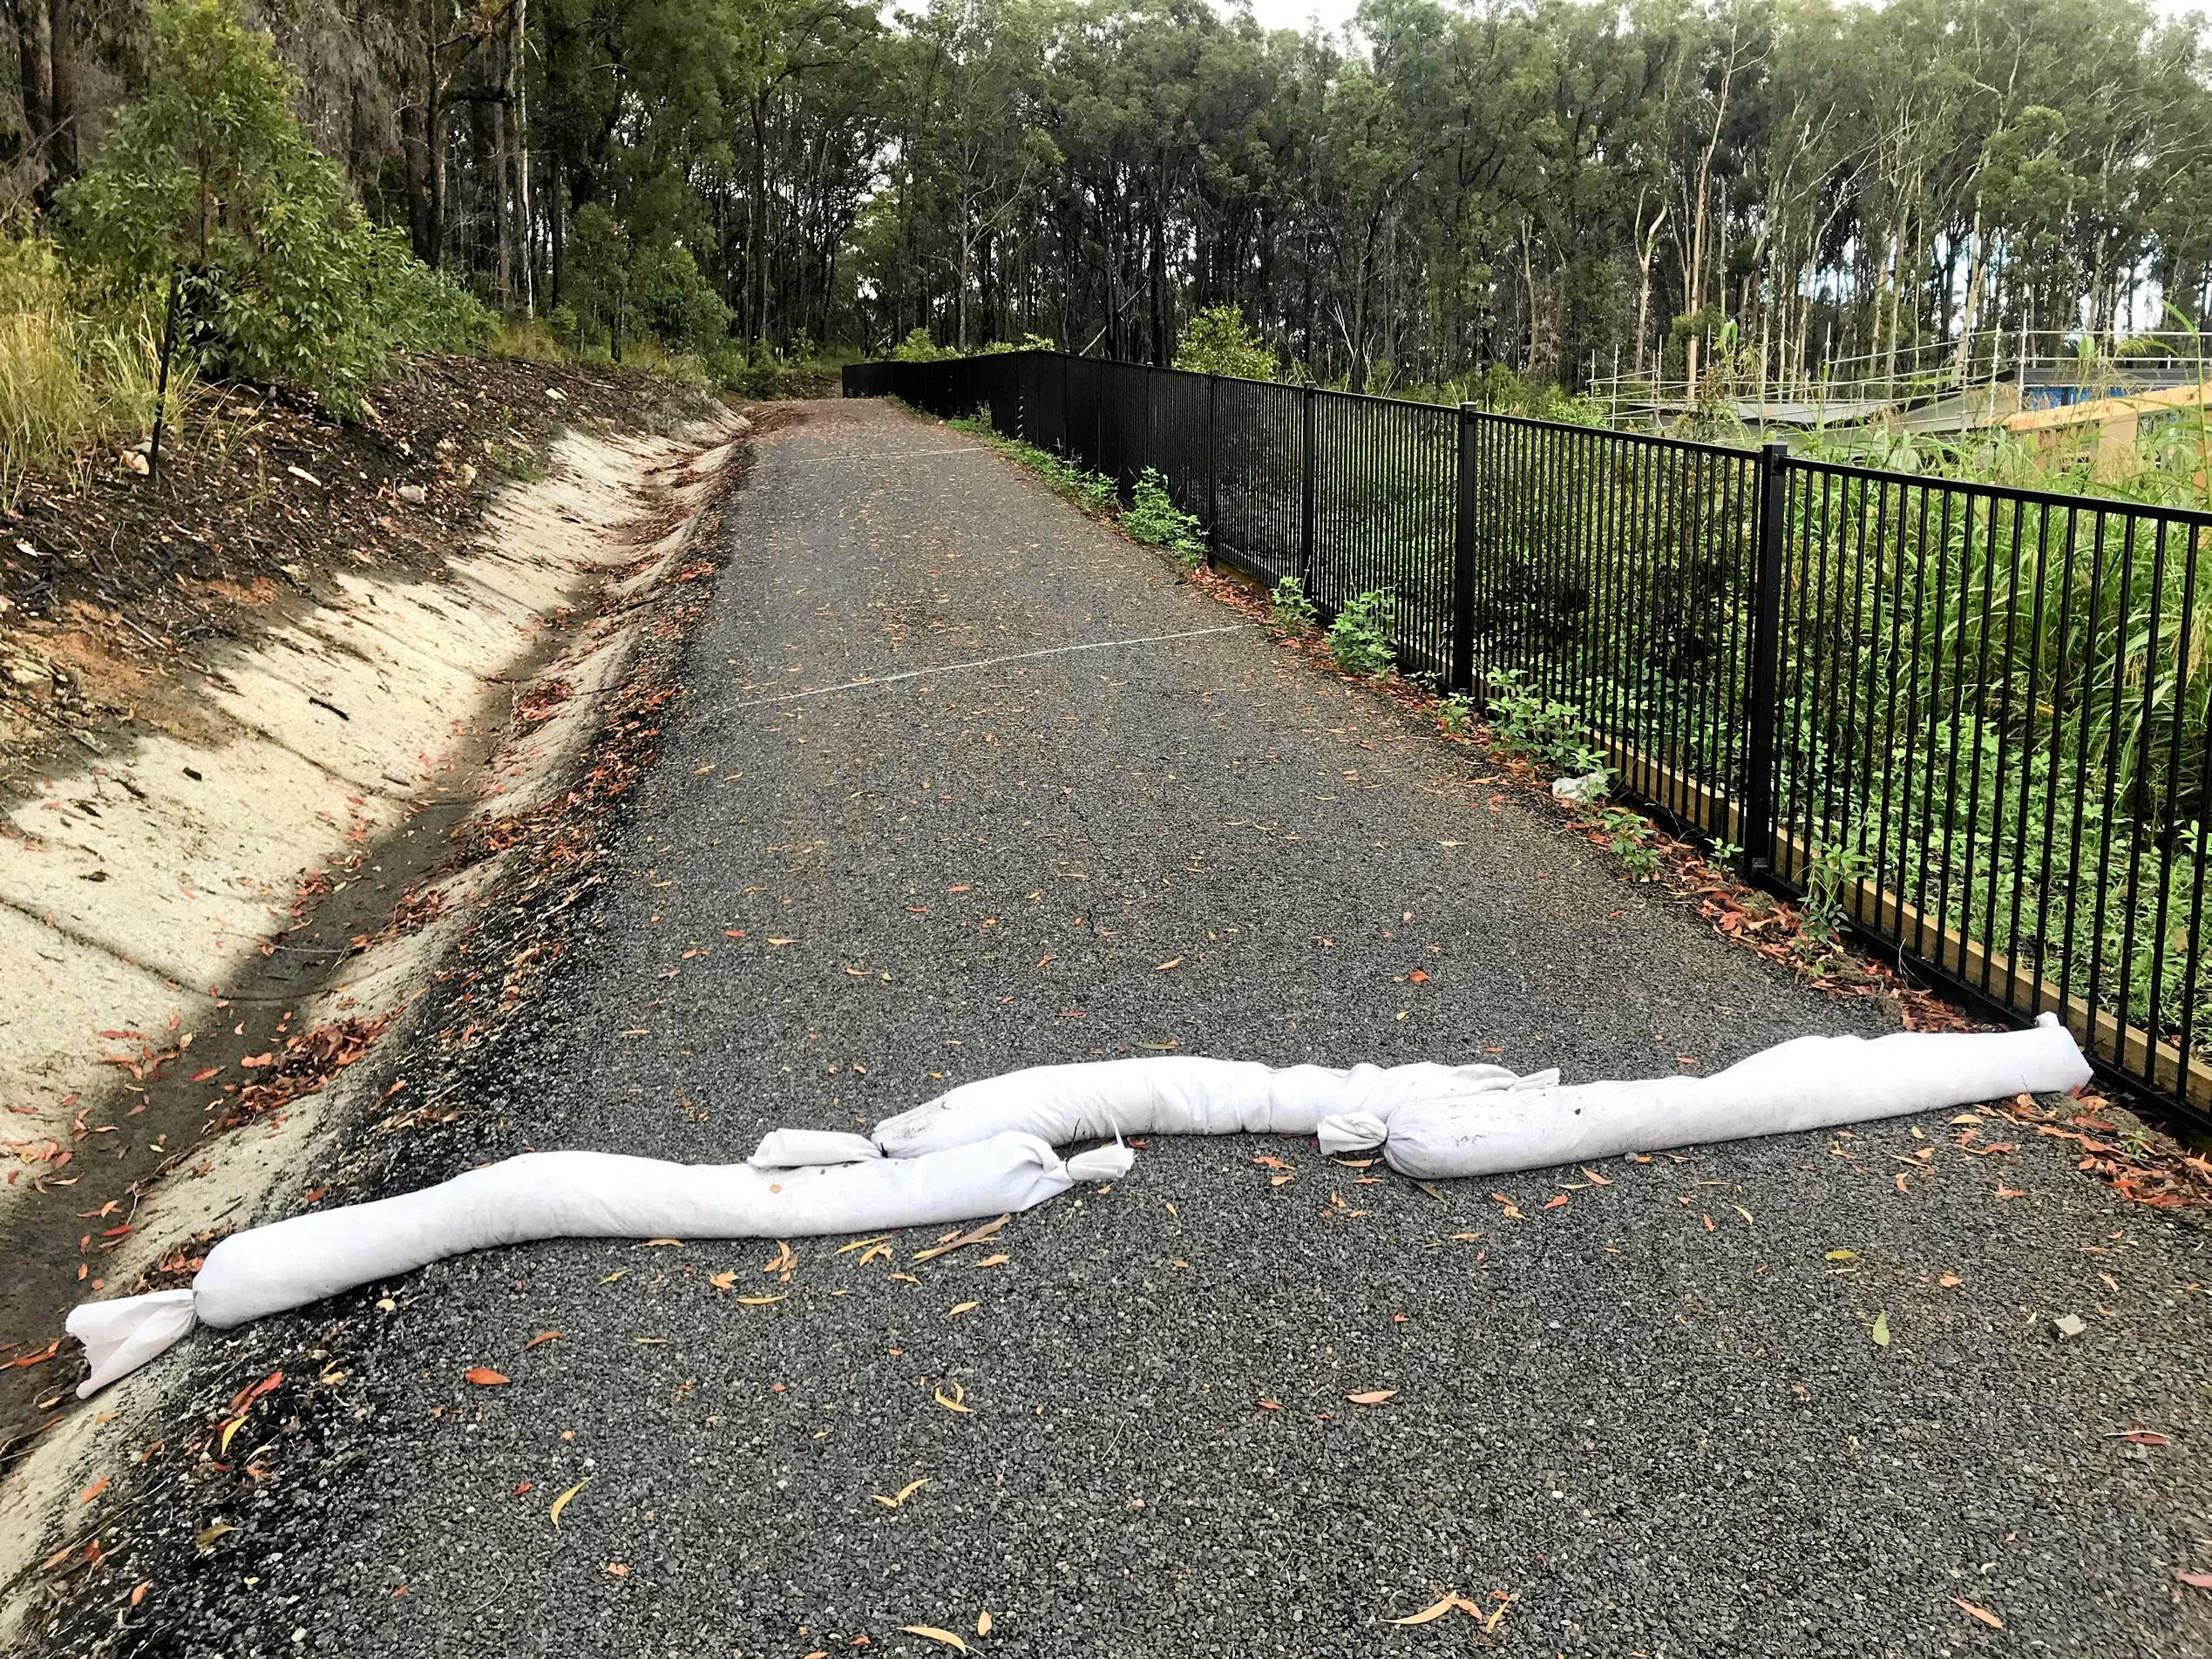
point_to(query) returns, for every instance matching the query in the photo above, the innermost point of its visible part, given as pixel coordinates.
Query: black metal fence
(1974, 723)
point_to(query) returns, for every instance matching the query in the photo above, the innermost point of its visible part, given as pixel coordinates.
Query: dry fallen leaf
(959, 1308)
(760, 1301)
(1172, 962)
(92, 1491)
(1981, 1613)
(2195, 1580)
(933, 1634)
(1881, 1332)
(905, 1492)
(561, 1503)
(543, 1336)
(951, 1401)
(483, 1377)
(205, 1537)
(1372, 1396)
(983, 1623)
(1436, 1610)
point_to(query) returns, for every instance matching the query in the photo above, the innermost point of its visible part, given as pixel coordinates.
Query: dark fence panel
(1996, 749)
(1259, 459)
(1974, 723)
(1614, 573)
(1386, 480)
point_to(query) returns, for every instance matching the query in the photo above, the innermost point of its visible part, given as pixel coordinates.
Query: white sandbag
(1169, 1095)
(1807, 1083)
(798, 1148)
(572, 1194)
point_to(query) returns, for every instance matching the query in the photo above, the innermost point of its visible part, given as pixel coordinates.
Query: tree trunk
(61, 107)
(34, 82)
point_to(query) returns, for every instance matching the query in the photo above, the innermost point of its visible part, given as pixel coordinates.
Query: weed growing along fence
(1970, 720)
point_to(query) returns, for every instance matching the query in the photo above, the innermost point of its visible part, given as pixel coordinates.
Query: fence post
(1067, 432)
(1462, 665)
(1213, 465)
(1306, 498)
(1765, 691)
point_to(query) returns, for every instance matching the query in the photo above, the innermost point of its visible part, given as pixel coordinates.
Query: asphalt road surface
(1652, 1419)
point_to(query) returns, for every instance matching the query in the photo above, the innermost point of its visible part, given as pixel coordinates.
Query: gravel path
(1651, 1420)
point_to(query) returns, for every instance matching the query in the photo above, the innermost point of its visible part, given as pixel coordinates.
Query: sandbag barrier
(986, 1148)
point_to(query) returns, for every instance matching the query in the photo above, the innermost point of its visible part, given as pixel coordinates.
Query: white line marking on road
(989, 662)
(857, 457)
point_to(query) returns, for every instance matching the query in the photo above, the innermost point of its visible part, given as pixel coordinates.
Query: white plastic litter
(572, 1194)
(1171, 1094)
(1586, 790)
(1809, 1083)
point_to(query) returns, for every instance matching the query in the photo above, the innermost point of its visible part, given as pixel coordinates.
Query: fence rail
(1976, 721)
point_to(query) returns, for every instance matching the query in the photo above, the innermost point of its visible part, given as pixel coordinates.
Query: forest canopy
(1548, 185)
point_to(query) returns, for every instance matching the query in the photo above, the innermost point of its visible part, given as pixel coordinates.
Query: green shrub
(918, 347)
(677, 304)
(1544, 730)
(415, 309)
(1216, 342)
(211, 178)
(1292, 610)
(1360, 638)
(1153, 518)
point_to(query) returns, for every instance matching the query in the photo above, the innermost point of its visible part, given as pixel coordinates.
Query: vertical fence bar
(1462, 675)
(1305, 498)
(1766, 659)
(1213, 467)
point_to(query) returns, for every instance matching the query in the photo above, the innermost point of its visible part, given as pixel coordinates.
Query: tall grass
(77, 383)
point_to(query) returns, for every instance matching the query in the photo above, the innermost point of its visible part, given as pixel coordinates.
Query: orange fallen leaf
(483, 1377)
(1555, 1201)
(1981, 1613)
(92, 1491)
(1436, 1610)
(543, 1336)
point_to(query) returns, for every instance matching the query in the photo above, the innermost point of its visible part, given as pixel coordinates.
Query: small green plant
(1153, 518)
(1294, 612)
(1092, 491)
(1831, 870)
(517, 461)
(1360, 638)
(1541, 728)
(1724, 853)
(1455, 714)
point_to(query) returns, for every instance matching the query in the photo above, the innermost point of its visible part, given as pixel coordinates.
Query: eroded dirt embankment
(206, 925)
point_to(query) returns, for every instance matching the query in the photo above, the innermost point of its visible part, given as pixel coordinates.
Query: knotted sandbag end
(124, 1334)
(1102, 1163)
(1350, 1132)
